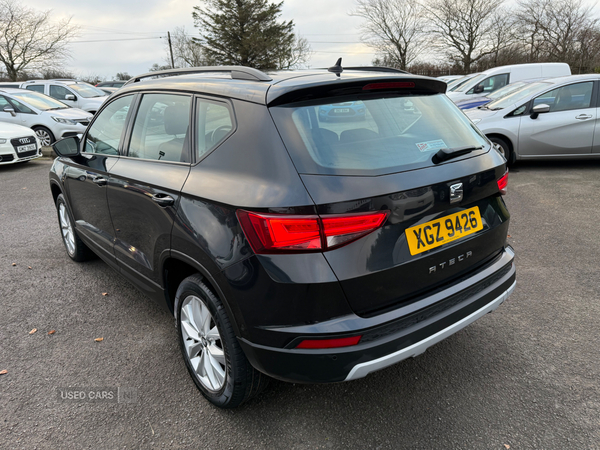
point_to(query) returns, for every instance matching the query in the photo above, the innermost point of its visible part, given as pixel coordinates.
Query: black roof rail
(237, 73)
(377, 69)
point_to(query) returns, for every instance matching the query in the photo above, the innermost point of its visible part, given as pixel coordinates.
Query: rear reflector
(389, 85)
(503, 183)
(283, 233)
(329, 343)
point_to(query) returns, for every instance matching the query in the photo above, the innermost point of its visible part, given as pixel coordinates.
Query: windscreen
(39, 101)
(374, 136)
(87, 90)
(517, 96)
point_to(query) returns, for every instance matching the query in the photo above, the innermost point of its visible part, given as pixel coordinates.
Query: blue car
(342, 111)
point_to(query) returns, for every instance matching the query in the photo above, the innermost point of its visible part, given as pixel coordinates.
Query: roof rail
(237, 73)
(377, 69)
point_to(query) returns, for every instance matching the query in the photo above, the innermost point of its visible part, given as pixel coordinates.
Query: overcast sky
(134, 32)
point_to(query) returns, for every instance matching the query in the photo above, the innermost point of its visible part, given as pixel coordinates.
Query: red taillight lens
(329, 343)
(503, 183)
(277, 233)
(389, 85)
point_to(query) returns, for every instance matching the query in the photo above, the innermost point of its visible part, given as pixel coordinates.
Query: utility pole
(170, 49)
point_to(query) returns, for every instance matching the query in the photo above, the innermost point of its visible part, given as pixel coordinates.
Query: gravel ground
(525, 376)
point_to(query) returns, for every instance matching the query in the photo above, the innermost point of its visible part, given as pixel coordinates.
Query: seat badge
(456, 192)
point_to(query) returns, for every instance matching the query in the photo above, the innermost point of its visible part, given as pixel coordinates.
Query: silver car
(50, 119)
(550, 119)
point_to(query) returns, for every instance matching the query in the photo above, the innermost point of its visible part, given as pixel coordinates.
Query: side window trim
(194, 147)
(134, 104)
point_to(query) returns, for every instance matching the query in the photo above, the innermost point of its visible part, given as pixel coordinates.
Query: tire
(44, 135)
(505, 148)
(75, 247)
(223, 374)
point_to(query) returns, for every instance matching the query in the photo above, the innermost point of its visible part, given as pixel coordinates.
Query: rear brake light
(329, 343)
(389, 85)
(283, 233)
(503, 183)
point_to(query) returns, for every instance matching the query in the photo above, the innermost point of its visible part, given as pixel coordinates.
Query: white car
(76, 94)
(18, 144)
(50, 119)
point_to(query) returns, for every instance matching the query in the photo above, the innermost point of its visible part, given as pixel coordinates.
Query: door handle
(583, 116)
(100, 181)
(163, 200)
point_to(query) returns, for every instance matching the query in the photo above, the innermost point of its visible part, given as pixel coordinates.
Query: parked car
(18, 144)
(449, 78)
(111, 84)
(284, 246)
(76, 94)
(491, 80)
(550, 119)
(480, 101)
(342, 111)
(108, 90)
(49, 118)
(455, 84)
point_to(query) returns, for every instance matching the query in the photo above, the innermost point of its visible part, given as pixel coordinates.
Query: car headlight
(66, 121)
(2, 141)
(475, 121)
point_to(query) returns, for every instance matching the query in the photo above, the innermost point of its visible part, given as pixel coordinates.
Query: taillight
(329, 343)
(503, 183)
(283, 233)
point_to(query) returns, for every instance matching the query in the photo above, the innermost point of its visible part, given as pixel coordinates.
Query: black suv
(313, 226)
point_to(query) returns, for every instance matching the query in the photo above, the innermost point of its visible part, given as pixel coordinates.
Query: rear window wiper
(445, 154)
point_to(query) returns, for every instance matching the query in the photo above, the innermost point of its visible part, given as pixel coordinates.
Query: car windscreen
(39, 101)
(373, 136)
(517, 96)
(506, 90)
(87, 91)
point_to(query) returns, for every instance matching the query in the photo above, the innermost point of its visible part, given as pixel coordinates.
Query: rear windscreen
(373, 136)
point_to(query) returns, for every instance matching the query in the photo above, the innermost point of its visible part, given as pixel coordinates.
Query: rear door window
(374, 136)
(36, 88)
(161, 128)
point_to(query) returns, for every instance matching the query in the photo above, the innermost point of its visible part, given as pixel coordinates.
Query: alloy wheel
(44, 137)
(203, 343)
(66, 228)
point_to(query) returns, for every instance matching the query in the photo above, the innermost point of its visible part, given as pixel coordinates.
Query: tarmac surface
(525, 377)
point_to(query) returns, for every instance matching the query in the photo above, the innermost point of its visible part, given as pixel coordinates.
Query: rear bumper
(390, 337)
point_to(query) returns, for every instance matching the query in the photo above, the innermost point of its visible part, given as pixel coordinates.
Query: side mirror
(478, 89)
(68, 147)
(70, 97)
(539, 109)
(10, 110)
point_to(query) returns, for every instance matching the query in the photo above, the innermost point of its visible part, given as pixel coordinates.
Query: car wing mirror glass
(70, 97)
(10, 110)
(68, 147)
(539, 109)
(478, 89)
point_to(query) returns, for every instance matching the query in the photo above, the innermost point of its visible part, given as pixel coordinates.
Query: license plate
(25, 148)
(341, 110)
(440, 231)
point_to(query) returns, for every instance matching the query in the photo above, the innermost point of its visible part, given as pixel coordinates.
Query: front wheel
(75, 247)
(210, 349)
(44, 135)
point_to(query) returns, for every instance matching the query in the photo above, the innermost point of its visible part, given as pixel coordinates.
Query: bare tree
(395, 28)
(186, 51)
(465, 28)
(531, 21)
(297, 56)
(30, 41)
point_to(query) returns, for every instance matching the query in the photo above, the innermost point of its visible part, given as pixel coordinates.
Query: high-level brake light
(283, 233)
(389, 85)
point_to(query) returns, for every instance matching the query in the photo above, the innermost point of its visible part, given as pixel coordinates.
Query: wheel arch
(178, 267)
(506, 139)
